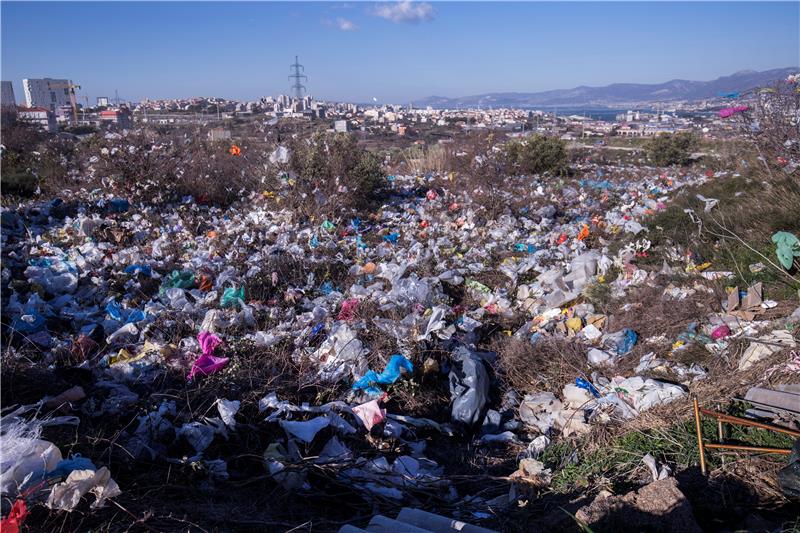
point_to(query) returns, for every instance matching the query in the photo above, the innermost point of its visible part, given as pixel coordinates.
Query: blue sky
(394, 52)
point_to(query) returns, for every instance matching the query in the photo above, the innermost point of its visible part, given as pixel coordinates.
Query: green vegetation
(536, 155)
(736, 233)
(666, 150)
(332, 164)
(18, 183)
(676, 445)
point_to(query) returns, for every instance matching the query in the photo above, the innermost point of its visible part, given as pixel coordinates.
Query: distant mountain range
(617, 93)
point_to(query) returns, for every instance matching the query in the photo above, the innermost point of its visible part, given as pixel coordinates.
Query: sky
(393, 52)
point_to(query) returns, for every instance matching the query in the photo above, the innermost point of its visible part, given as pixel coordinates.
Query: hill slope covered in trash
(182, 366)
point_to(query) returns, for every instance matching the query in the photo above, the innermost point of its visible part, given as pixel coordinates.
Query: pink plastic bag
(207, 363)
(370, 413)
(721, 332)
(349, 308)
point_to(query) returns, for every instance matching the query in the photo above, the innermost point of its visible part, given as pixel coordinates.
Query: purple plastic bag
(207, 363)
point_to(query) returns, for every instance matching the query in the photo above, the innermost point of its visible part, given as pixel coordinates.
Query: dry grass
(420, 160)
(546, 366)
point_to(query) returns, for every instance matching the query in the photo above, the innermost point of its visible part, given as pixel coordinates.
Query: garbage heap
(198, 326)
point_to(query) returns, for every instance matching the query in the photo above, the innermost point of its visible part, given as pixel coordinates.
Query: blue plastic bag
(391, 374)
(392, 237)
(76, 462)
(326, 288)
(119, 205)
(124, 315)
(628, 341)
(139, 269)
(26, 326)
(582, 383)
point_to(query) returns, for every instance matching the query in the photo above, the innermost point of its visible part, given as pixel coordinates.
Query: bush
(31, 158)
(536, 155)
(335, 173)
(155, 167)
(18, 183)
(666, 150)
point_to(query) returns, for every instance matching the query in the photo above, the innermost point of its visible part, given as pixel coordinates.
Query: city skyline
(390, 52)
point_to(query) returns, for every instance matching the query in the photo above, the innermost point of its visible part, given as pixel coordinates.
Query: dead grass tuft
(548, 365)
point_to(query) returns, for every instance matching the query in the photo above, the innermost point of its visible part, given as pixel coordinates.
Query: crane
(69, 86)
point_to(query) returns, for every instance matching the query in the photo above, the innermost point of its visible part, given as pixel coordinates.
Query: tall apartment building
(47, 93)
(7, 96)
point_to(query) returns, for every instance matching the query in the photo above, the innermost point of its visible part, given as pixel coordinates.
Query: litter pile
(315, 335)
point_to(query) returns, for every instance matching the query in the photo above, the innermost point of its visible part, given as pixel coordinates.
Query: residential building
(48, 93)
(120, 117)
(38, 116)
(7, 97)
(64, 114)
(340, 126)
(219, 134)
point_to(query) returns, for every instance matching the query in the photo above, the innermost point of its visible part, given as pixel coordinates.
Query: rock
(659, 506)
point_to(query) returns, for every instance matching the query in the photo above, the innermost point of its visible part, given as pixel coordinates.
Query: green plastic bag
(787, 247)
(178, 279)
(232, 297)
(478, 286)
(328, 225)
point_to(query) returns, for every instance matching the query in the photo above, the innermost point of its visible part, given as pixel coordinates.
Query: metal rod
(748, 422)
(719, 436)
(699, 436)
(780, 451)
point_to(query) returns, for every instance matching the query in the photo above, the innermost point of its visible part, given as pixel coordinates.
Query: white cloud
(345, 25)
(404, 11)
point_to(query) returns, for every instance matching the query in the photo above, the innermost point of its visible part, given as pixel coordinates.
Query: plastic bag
(232, 297)
(787, 247)
(391, 373)
(469, 387)
(178, 280)
(207, 363)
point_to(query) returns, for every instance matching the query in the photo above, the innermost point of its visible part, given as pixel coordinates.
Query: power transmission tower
(297, 77)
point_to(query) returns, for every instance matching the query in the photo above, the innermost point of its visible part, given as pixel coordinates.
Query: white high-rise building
(47, 93)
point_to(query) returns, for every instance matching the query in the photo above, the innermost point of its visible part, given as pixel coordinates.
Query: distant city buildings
(120, 117)
(38, 116)
(219, 134)
(57, 97)
(7, 95)
(47, 92)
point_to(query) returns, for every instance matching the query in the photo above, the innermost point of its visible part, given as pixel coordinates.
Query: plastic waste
(232, 297)
(368, 383)
(139, 269)
(177, 280)
(469, 387)
(16, 517)
(207, 363)
(227, 409)
(305, 431)
(370, 414)
(787, 247)
(67, 495)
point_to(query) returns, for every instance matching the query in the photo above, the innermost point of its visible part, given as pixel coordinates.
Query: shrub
(31, 158)
(536, 155)
(333, 174)
(156, 167)
(676, 149)
(18, 183)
